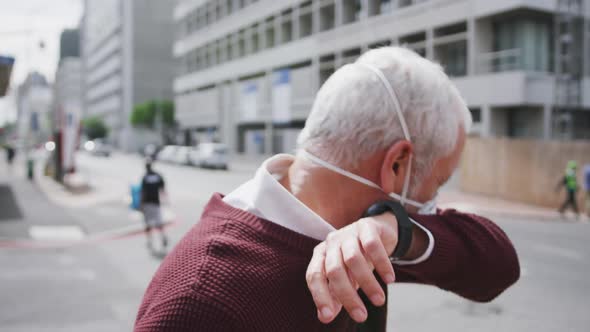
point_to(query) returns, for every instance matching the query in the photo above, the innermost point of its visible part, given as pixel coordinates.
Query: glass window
(386, 6)
(327, 17)
(475, 114)
(351, 11)
(453, 57)
(305, 25)
(286, 27)
(270, 33)
(255, 39)
(526, 44)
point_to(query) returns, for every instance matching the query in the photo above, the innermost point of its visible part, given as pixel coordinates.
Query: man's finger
(317, 283)
(340, 284)
(361, 271)
(372, 245)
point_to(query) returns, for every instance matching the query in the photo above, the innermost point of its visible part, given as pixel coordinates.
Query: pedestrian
(390, 127)
(587, 187)
(570, 183)
(10, 153)
(152, 186)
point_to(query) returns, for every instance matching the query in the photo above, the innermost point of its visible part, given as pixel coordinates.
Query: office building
(6, 64)
(248, 71)
(126, 60)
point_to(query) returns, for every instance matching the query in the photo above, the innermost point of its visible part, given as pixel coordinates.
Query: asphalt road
(97, 287)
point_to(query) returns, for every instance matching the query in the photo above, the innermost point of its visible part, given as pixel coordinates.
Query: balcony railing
(500, 61)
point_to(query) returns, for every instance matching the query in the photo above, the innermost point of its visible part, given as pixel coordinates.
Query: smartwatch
(405, 227)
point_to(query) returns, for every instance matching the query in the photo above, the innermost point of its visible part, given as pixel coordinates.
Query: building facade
(248, 70)
(33, 101)
(6, 64)
(67, 109)
(127, 60)
(69, 44)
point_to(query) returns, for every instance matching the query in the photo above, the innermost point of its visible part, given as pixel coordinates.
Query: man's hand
(345, 262)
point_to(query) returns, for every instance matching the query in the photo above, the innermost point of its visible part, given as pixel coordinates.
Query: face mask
(423, 208)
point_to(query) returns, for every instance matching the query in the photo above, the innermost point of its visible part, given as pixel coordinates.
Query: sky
(24, 24)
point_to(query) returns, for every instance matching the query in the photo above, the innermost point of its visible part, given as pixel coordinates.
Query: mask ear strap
(338, 170)
(393, 97)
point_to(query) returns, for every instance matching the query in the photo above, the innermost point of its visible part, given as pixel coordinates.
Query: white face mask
(428, 207)
(423, 208)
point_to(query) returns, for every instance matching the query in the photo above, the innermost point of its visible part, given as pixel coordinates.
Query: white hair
(353, 115)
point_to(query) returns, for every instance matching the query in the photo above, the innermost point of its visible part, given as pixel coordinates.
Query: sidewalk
(495, 207)
(42, 212)
(28, 213)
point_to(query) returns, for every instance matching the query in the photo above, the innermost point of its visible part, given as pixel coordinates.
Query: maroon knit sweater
(236, 272)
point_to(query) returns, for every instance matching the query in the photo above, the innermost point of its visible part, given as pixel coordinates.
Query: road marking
(110, 235)
(558, 251)
(56, 233)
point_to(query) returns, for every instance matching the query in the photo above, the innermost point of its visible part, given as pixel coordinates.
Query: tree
(94, 127)
(144, 115)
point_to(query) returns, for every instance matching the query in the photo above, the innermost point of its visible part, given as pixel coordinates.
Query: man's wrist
(389, 220)
(418, 246)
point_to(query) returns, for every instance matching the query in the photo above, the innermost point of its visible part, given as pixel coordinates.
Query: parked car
(98, 147)
(181, 155)
(210, 155)
(167, 153)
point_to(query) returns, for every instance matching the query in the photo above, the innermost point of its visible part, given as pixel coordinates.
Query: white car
(181, 155)
(167, 153)
(210, 155)
(98, 147)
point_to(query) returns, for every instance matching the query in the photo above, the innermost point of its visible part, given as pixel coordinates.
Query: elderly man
(389, 126)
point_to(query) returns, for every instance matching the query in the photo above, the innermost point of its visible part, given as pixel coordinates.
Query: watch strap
(404, 225)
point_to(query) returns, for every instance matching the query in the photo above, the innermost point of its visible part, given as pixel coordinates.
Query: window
(451, 48)
(211, 50)
(351, 11)
(523, 44)
(220, 51)
(270, 32)
(374, 7)
(327, 16)
(475, 114)
(386, 6)
(453, 57)
(415, 42)
(230, 51)
(349, 56)
(451, 30)
(241, 44)
(381, 43)
(255, 39)
(327, 67)
(286, 27)
(305, 20)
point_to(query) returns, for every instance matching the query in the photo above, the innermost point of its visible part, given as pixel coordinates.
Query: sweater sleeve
(472, 257)
(187, 313)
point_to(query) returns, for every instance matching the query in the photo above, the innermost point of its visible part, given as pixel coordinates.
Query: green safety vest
(571, 183)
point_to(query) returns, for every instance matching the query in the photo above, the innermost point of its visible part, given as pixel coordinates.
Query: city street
(97, 284)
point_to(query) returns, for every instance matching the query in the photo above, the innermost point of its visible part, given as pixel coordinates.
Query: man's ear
(395, 165)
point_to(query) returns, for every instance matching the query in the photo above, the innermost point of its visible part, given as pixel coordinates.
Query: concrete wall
(520, 170)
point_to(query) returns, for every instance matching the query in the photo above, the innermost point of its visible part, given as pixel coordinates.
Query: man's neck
(338, 200)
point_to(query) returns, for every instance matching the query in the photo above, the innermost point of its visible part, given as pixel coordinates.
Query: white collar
(266, 198)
